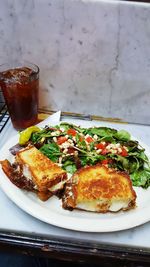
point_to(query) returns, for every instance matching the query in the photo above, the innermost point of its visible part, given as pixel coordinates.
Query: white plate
(51, 211)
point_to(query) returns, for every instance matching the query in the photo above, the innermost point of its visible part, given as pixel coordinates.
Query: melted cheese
(57, 186)
(91, 205)
(97, 204)
(26, 172)
(118, 205)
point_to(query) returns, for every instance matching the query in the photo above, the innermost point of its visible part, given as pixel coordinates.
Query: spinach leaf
(52, 151)
(129, 164)
(80, 142)
(143, 156)
(123, 161)
(123, 135)
(103, 131)
(107, 138)
(134, 164)
(37, 136)
(69, 166)
(131, 145)
(141, 178)
(66, 126)
(140, 156)
(90, 159)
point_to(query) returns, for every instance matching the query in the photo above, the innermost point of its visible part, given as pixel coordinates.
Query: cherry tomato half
(100, 146)
(89, 139)
(61, 140)
(105, 161)
(71, 132)
(104, 151)
(124, 152)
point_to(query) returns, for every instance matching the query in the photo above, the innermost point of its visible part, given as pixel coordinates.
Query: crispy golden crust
(20, 181)
(45, 173)
(100, 185)
(44, 195)
(16, 177)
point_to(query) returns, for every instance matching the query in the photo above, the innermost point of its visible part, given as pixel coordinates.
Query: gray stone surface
(94, 56)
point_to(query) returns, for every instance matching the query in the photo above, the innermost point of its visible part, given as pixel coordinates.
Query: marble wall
(94, 55)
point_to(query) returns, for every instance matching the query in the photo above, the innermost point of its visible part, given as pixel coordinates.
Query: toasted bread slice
(99, 189)
(16, 177)
(45, 174)
(34, 172)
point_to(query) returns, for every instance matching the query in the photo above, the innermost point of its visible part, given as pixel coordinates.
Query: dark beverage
(20, 89)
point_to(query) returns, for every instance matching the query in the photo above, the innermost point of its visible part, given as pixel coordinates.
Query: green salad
(73, 147)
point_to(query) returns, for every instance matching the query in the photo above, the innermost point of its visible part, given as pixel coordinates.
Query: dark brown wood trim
(72, 249)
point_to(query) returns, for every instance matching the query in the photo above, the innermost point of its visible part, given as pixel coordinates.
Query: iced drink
(20, 89)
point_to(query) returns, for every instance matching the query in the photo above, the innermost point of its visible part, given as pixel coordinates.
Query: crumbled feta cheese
(65, 145)
(88, 147)
(65, 150)
(60, 160)
(125, 148)
(99, 151)
(113, 146)
(118, 145)
(42, 140)
(70, 141)
(113, 151)
(119, 149)
(95, 137)
(62, 129)
(103, 143)
(109, 146)
(55, 139)
(70, 154)
(55, 133)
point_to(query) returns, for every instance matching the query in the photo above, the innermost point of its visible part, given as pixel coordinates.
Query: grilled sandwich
(33, 171)
(99, 189)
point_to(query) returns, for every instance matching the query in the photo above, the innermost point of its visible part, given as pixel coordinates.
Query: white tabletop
(14, 219)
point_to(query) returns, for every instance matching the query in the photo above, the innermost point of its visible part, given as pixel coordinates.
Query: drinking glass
(19, 82)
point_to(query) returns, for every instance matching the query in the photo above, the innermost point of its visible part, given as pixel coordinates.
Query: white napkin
(53, 120)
